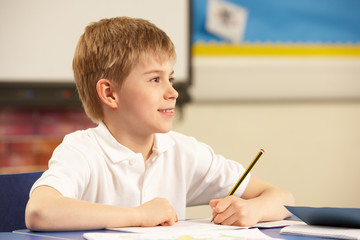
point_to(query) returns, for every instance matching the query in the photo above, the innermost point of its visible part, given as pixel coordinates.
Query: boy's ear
(106, 92)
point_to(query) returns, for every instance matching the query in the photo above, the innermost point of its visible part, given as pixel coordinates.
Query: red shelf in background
(29, 136)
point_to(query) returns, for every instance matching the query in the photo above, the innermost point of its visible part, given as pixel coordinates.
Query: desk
(17, 236)
(77, 235)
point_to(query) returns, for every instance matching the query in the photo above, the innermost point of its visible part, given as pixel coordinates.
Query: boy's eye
(155, 79)
(172, 80)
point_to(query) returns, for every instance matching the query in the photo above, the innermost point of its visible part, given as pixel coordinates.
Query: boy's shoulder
(80, 138)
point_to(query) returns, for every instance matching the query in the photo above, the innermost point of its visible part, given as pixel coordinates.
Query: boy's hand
(234, 211)
(157, 212)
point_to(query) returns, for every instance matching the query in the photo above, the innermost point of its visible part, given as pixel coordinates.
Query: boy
(132, 170)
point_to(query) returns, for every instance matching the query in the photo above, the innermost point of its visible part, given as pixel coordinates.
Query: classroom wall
(310, 147)
(290, 86)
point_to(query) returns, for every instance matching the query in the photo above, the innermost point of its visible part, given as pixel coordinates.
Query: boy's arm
(260, 202)
(48, 210)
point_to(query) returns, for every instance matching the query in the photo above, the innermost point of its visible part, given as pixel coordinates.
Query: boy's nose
(171, 93)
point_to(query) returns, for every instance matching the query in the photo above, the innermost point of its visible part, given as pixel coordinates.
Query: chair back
(14, 195)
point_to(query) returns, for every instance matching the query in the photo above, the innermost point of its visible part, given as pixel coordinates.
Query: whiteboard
(38, 37)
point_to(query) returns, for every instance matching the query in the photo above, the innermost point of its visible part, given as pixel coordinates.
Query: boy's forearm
(71, 214)
(271, 204)
(47, 210)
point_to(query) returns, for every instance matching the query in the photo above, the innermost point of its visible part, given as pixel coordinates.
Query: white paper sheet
(196, 225)
(322, 231)
(281, 223)
(225, 234)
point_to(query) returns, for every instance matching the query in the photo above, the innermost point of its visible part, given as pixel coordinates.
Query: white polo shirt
(91, 165)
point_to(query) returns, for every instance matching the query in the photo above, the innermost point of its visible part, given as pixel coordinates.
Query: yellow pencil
(243, 176)
(246, 172)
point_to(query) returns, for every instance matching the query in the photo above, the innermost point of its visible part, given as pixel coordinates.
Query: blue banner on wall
(292, 22)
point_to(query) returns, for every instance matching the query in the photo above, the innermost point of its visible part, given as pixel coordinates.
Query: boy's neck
(139, 144)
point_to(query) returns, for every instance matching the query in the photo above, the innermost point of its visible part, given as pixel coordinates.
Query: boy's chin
(165, 130)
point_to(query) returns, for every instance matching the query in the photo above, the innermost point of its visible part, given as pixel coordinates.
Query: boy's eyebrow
(157, 71)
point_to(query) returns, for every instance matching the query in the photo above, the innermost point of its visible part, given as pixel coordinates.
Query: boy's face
(146, 99)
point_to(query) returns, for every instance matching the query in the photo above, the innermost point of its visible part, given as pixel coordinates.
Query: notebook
(328, 216)
(322, 231)
(343, 223)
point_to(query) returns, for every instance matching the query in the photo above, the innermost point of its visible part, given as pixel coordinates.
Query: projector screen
(38, 37)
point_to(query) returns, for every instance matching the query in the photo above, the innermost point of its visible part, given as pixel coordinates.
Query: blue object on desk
(327, 216)
(14, 195)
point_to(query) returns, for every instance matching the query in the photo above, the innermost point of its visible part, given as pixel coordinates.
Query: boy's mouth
(166, 110)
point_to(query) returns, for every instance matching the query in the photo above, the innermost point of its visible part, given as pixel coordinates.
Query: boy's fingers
(222, 205)
(171, 221)
(213, 203)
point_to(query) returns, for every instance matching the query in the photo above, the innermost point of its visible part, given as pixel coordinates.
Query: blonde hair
(109, 49)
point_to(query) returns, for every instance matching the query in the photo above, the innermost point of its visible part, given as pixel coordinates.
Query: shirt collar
(117, 152)
(163, 142)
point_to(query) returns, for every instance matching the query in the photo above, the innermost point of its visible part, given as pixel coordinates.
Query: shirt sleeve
(213, 176)
(68, 172)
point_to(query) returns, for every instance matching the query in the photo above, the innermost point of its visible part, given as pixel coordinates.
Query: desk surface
(78, 235)
(19, 236)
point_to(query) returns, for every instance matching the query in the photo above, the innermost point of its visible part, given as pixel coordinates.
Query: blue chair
(14, 195)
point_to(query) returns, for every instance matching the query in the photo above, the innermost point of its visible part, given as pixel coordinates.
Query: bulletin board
(321, 23)
(286, 49)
